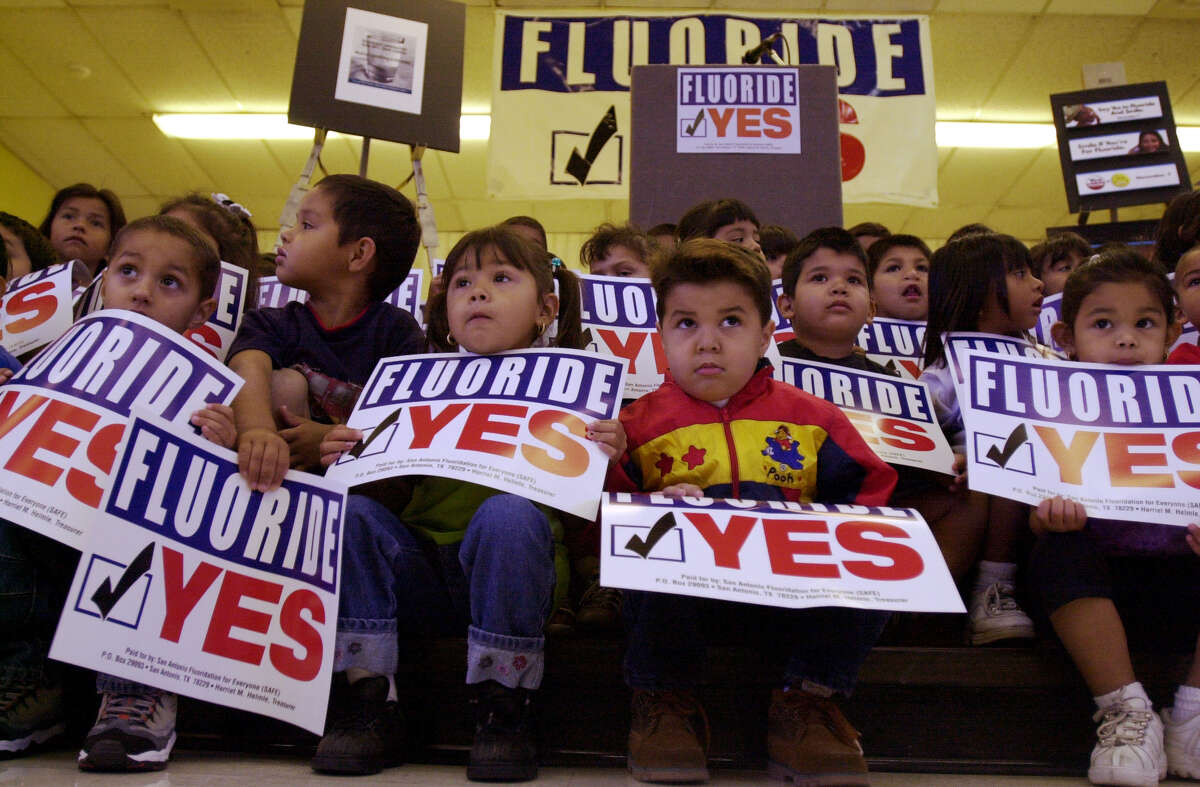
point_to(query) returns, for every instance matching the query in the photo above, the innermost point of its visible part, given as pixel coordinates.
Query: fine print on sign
(776, 553)
(738, 110)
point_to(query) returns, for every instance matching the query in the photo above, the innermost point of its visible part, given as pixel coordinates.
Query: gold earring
(450, 339)
(541, 328)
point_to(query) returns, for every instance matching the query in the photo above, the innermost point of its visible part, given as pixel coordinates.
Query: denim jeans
(35, 576)
(825, 646)
(498, 584)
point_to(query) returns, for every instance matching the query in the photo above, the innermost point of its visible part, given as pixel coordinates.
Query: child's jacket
(771, 441)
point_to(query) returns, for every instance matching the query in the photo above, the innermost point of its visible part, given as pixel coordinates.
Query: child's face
(1187, 285)
(1121, 323)
(1024, 305)
(775, 265)
(493, 305)
(310, 250)
(18, 258)
(901, 284)
(831, 301)
(742, 233)
(621, 261)
(154, 274)
(1054, 274)
(81, 230)
(713, 337)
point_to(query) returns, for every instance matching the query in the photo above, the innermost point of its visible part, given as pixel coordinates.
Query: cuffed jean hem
(799, 677)
(370, 645)
(515, 662)
(111, 684)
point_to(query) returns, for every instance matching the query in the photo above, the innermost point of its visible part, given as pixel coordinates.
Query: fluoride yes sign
(36, 309)
(217, 334)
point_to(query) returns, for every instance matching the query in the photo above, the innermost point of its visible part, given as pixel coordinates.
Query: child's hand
(304, 438)
(1193, 538)
(5, 375)
(1057, 515)
(338, 441)
(682, 490)
(959, 482)
(262, 458)
(610, 435)
(216, 424)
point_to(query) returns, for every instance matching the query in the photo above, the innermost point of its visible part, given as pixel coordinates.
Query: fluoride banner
(192, 583)
(63, 415)
(514, 421)
(561, 109)
(1123, 441)
(36, 309)
(274, 294)
(778, 553)
(216, 335)
(893, 415)
(895, 344)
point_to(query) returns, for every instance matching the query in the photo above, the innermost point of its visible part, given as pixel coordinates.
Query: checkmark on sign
(664, 525)
(579, 166)
(1015, 440)
(106, 596)
(691, 130)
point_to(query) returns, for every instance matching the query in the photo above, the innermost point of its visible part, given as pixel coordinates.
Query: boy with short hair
(730, 220)
(1056, 257)
(777, 243)
(898, 273)
(305, 364)
(719, 406)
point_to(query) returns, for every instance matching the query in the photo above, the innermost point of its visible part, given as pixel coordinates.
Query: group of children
(431, 555)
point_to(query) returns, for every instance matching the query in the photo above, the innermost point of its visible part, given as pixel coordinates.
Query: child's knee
(289, 388)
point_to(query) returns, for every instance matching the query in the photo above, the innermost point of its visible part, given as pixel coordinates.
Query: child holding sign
(981, 282)
(1187, 291)
(703, 433)
(453, 555)
(1119, 309)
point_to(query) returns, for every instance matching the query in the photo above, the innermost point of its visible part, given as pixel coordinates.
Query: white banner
(779, 554)
(514, 421)
(192, 583)
(36, 309)
(560, 99)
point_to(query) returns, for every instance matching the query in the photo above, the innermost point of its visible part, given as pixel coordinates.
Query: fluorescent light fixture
(954, 134)
(263, 126)
(477, 127)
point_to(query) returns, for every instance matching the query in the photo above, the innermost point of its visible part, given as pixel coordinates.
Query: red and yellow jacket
(771, 441)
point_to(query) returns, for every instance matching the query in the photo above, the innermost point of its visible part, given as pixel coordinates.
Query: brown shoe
(668, 737)
(810, 742)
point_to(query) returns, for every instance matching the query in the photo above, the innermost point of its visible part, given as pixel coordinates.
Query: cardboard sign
(620, 313)
(779, 554)
(216, 335)
(754, 109)
(783, 326)
(894, 416)
(63, 415)
(1118, 111)
(514, 421)
(88, 299)
(1109, 145)
(1124, 441)
(959, 343)
(1154, 176)
(274, 294)
(192, 583)
(895, 344)
(36, 309)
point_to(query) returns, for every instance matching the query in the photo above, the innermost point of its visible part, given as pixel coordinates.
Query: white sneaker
(133, 732)
(1182, 742)
(1130, 746)
(995, 615)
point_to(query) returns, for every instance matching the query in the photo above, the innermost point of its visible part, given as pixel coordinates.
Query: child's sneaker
(133, 732)
(1130, 746)
(809, 741)
(995, 615)
(31, 713)
(599, 608)
(504, 747)
(668, 737)
(364, 732)
(1182, 743)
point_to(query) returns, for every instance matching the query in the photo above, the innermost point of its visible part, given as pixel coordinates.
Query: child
(1056, 257)
(867, 232)
(1178, 230)
(826, 295)
(980, 282)
(714, 313)
(304, 364)
(1119, 309)
(777, 243)
(82, 222)
(529, 228)
(26, 248)
(663, 235)
(1187, 291)
(898, 267)
(729, 220)
(617, 251)
(454, 553)
(229, 226)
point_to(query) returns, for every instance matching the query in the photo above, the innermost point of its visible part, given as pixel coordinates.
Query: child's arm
(216, 424)
(1193, 538)
(337, 441)
(1057, 515)
(304, 437)
(262, 453)
(5, 375)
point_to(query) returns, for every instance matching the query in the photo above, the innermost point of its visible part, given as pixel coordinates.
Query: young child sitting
(617, 251)
(451, 556)
(1119, 309)
(729, 220)
(1187, 291)
(898, 268)
(304, 364)
(777, 243)
(1056, 257)
(81, 223)
(26, 248)
(714, 313)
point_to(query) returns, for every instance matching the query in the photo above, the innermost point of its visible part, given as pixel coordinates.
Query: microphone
(754, 54)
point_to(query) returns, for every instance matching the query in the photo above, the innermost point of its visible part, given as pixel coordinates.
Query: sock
(991, 572)
(1187, 704)
(1132, 690)
(355, 674)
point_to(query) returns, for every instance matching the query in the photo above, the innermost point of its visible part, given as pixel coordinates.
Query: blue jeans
(825, 646)
(35, 576)
(498, 584)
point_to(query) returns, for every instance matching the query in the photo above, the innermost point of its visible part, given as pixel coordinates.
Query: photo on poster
(382, 61)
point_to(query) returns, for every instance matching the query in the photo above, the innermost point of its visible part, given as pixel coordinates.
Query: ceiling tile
(478, 213)
(965, 73)
(975, 175)
(994, 7)
(477, 60)
(1027, 224)
(63, 152)
(24, 95)
(936, 224)
(241, 167)
(466, 171)
(1153, 55)
(1109, 7)
(1179, 9)
(253, 52)
(879, 6)
(1040, 185)
(162, 163)
(891, 216)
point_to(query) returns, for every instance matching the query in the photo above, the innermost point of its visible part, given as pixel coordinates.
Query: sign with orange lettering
(514, 421)
(36, 309)
(754, 109)
(777, 553)
(1122, 440)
